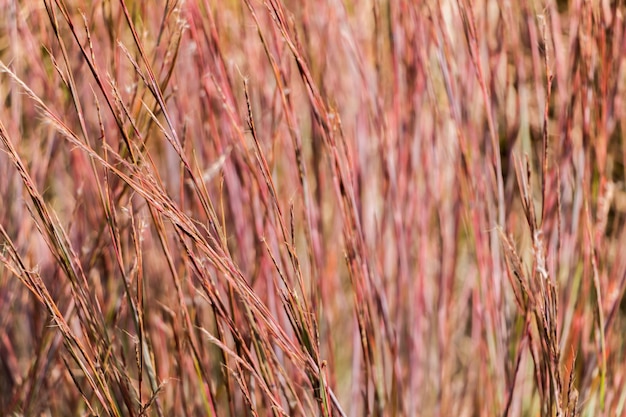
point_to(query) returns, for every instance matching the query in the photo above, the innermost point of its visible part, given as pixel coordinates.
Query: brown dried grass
(312, 208)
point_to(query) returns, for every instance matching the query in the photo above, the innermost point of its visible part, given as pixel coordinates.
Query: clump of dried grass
(311, 208)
